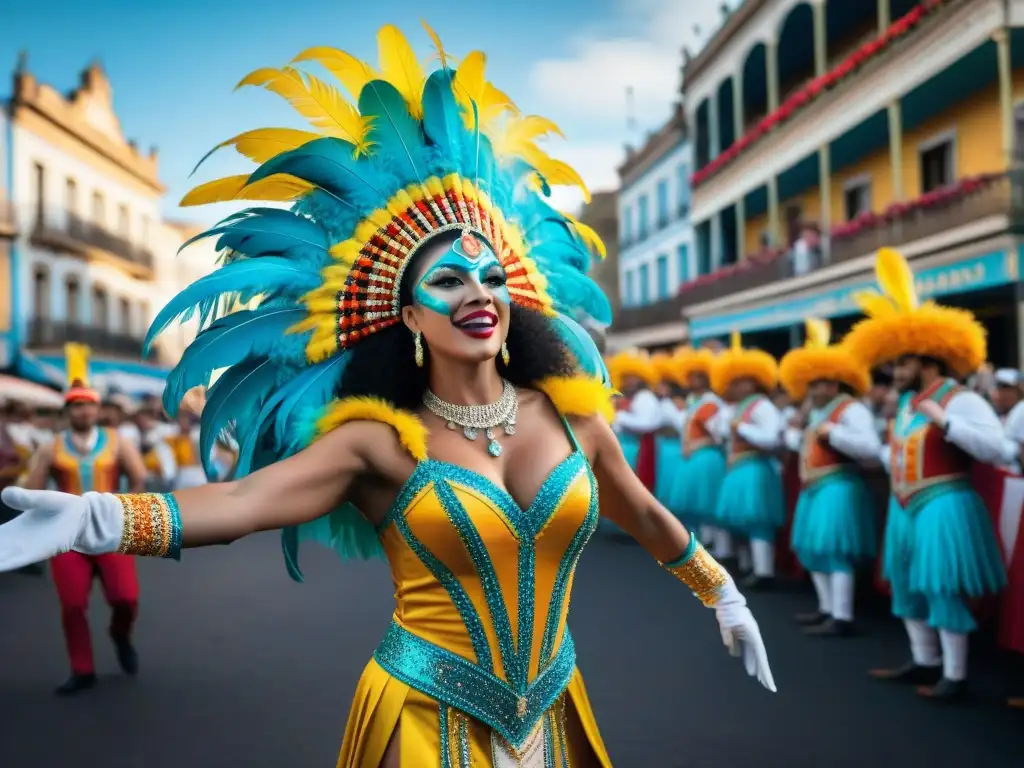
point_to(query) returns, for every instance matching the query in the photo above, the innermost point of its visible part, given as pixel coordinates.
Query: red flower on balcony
(816, 87)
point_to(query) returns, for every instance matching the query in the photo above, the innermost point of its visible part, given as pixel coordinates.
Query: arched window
(41, 292)
(100, 308)
(73, 300)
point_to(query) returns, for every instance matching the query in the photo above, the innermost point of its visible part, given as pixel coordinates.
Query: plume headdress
(818, 360)
(689, 360)
(736, 362)
(632, 362)
(78, 389)
(405, 155)
(899, 324)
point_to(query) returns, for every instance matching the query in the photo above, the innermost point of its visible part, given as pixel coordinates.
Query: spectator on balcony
(1006, 399)
(806, 251)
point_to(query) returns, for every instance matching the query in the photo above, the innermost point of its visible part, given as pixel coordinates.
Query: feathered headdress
(898, 324)
(817, 360)
(688, 360)
(665, 368)
(631, 362)
(405, 155)
(739, 363)
(76, 361)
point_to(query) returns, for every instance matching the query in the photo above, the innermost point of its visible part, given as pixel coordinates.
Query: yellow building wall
(6, 286)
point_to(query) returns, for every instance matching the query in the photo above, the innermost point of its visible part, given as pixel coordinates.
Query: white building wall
(675, 168)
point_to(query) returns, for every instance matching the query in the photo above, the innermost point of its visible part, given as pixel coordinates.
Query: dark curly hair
(383, 365)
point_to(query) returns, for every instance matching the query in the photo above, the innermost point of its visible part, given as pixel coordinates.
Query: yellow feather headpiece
(631, 363)
(76, 361)
(665, 368)
(690, 360)
(817, 361)
(898, 324)
(739, 363)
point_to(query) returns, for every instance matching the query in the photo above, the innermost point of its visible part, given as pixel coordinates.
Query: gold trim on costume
(702, 574)
(149, 523)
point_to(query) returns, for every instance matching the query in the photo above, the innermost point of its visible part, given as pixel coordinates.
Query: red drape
(786, 563)
(646, 461)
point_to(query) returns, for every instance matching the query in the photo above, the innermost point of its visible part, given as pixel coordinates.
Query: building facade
(656, 254)
(92, 261)
(835, 128)
(8, 230)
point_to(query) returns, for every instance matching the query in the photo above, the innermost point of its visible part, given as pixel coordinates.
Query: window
(856, 197)
(662, 266)
(641, 228)
(100, 315)
(1018, 132)
(41, 293)
(936, 163)
(627, 225)
(71, 196)
(683, 191)
(630, 288)
(122, 220)
(662, 203)
(125, 319)
(684, 263)
(73, 301)
(144, 315)
(39, 175)
(97, 208)
(645, 284)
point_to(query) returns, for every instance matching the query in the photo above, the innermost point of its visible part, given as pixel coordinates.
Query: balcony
(668, 310)
(53, 334)
(994, 198)
(89, 240)
(8, 226)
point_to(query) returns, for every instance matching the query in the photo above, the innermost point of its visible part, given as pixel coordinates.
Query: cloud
(592, 82)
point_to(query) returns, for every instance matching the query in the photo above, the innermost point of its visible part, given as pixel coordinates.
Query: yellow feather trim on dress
(279, 187)
(578, 396)
(411, 431)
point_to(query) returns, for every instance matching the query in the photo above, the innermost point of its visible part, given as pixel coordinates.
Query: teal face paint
(442, 289)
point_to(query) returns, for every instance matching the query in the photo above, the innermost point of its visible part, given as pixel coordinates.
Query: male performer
(940, 546)
(750, 503)
(668, 449)
(1010, 406)
(80, 459)
(834, 524)
(184, 442)
(634, 376)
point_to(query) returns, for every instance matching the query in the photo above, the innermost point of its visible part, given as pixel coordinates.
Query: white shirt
(1013, 436)
(763, 430)
(853, 435)
(671, 415)
(643, 415)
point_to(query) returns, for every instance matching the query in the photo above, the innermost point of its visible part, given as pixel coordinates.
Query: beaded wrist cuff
(700, 572)
(152, 525)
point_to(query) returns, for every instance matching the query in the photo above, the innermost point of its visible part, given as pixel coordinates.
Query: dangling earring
(504, 353)
(417, 341)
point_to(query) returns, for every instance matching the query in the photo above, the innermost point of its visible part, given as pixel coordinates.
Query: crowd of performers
(709, 430)
(106, 445)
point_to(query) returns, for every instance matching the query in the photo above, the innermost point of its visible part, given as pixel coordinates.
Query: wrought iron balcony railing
(45, 334)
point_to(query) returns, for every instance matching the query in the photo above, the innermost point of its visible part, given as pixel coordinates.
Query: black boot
(127, 657)
(945, 691)
(811, 619)
(831, 627)
(910, 673)
(76, 684)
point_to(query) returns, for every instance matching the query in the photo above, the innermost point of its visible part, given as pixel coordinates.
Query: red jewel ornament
(471, 245)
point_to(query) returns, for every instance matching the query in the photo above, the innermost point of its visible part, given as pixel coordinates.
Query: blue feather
(442, 121)
(235, 398)
(249, 277)
(396, 135)
(228, 341)
(260, 233)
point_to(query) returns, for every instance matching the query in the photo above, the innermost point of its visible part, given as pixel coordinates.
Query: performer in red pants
(88, 458)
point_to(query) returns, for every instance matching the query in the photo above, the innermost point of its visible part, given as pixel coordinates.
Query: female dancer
(410, 386)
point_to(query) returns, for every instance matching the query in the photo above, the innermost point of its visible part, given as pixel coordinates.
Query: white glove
(54, 523)
(741, 634)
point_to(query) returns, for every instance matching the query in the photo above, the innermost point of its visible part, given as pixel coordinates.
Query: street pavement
(242, 667)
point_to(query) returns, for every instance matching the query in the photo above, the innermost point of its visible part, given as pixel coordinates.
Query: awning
(108, 376)
(131, 384)
(13, 389)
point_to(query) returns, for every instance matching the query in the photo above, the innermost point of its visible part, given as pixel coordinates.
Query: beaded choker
(473, 418)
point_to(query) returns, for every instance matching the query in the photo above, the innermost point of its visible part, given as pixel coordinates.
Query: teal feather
(235, 398)
(442, 121)
(344, 530)
(261, 232)
(396, 135)
(583, 348)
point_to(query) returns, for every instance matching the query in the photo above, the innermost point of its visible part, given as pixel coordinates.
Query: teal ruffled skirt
(939, 552)
(669, 452)
(695, 489)
(834, 524)
(751, 502)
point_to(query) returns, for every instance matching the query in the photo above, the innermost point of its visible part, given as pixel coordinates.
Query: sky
(173, 66)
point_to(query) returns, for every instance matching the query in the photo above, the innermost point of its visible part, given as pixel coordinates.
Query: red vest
(696, 434)
(818, 458)
(922, 458)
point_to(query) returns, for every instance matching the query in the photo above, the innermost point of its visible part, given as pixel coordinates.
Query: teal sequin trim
(452, 680)
(446, 749)
(174, 547)
(687, 553)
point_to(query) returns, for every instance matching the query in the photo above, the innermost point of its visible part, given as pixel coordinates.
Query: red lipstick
(479, 324)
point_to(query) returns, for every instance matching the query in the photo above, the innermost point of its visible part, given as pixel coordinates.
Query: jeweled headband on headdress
(409, 155)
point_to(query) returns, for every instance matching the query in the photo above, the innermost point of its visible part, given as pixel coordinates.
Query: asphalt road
(242, 667)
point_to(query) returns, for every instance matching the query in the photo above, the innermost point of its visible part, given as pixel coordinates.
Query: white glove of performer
(53, 523)
(741, 634)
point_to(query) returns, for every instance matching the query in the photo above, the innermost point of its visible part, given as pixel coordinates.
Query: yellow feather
(412, 433)
(734, 340)
(441, 53)
(587, 234)
(76, 361)
(873, 304)
(279, 187)
(262, 144)
(351, 72)
(492, 104)
(518, 134)
(896, 279)
(320, 103)
(469, 83)
(555, 172)
(401, 68)
(818, 332)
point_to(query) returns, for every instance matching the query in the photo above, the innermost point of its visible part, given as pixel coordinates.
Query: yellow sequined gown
(478, 667)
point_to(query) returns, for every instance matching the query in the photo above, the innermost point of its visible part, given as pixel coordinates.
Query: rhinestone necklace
(473, 418)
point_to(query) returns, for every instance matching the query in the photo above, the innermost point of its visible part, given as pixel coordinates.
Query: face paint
(442, 288)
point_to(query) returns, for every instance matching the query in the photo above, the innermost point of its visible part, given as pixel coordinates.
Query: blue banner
(988, 271)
